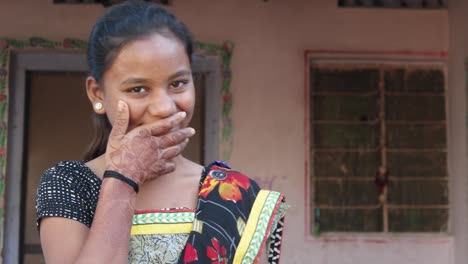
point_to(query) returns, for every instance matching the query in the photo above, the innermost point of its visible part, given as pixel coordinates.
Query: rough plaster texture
(268, 90)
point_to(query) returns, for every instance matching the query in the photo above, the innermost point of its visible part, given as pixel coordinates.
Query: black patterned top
(69, 189)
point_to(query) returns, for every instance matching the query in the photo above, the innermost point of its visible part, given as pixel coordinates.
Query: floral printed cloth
(154, 248)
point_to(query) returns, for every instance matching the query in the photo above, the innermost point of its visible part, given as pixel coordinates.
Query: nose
(162, 105)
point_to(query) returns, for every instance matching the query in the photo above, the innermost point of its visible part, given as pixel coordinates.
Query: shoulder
(70, 173)
(68, 167)
(68, 179)
(68, 189)
(232, 184)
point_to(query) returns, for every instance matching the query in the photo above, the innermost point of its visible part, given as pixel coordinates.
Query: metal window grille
(106, 2)
(419, 4)
(378, 147)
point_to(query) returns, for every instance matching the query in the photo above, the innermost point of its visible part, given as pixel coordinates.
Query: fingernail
(192, 131)
(183, 114)
(120, 106)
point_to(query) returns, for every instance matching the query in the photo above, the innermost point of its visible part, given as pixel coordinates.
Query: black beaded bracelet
(116, 175)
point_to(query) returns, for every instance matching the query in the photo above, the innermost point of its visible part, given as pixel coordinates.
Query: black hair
(118, 26)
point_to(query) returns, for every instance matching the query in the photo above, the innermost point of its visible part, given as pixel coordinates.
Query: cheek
(110, 108)
(187, 104)
(137, 111)
(109, 102)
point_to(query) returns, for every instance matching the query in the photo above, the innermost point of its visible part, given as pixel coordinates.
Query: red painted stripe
(426, 241)
(427, 53)
(183, 210)
(306, 145)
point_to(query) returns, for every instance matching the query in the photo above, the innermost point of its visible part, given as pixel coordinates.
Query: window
(378, 147)
(106, 2)
(419, 4)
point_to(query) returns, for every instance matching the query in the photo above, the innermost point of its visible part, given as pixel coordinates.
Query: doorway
(58, 127)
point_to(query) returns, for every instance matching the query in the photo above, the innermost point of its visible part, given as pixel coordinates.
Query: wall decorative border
(466, 95)
(224, 51)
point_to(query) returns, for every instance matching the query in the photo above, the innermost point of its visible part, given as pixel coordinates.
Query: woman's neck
(182, 164)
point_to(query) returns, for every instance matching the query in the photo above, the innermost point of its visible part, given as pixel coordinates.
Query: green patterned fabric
(262, 226)
(170, 217)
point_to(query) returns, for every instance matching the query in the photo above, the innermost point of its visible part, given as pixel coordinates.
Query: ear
(95, 94)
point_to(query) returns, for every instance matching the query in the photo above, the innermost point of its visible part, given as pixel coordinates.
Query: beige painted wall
(458, 39)
(268, 88)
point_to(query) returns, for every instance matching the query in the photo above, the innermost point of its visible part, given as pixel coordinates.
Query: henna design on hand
(145, 152)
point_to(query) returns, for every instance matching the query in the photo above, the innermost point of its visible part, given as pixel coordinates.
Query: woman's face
(153, 76)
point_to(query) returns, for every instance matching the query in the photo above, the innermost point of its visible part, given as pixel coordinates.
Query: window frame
(434, 59)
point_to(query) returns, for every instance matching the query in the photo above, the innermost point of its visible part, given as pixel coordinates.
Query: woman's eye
(138, 90)
(178, 84)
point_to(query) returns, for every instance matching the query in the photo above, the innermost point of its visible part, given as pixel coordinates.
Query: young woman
(137, 199)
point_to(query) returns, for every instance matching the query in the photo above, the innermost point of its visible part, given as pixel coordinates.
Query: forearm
(109, 236)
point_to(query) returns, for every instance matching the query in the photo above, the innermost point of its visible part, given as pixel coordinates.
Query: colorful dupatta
(233, 220)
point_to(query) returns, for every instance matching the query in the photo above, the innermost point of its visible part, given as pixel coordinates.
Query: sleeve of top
(60, 195)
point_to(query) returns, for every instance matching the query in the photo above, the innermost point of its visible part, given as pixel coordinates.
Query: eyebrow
(136, 80)
(180, 73)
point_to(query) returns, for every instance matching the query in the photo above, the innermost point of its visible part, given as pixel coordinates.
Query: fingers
(175, 137)
(165, 125)
(173, 151)
(168, 167)
(120, 126)
(161, 167)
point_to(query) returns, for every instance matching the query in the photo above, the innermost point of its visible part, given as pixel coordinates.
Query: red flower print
(67, 43)
(228, 188)
(3, 44)
(216, 253)
(228, 47)
(190, 253)
(227, 98)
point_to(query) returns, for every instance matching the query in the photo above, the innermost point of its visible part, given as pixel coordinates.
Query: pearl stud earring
(98, 106)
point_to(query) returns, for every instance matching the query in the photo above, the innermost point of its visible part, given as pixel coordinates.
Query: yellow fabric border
(150, 229)
(250, 227)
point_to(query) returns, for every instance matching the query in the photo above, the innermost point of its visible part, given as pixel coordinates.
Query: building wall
(458, 40)
(268, 88)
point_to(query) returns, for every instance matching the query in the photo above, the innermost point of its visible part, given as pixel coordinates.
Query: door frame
(23, 61)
